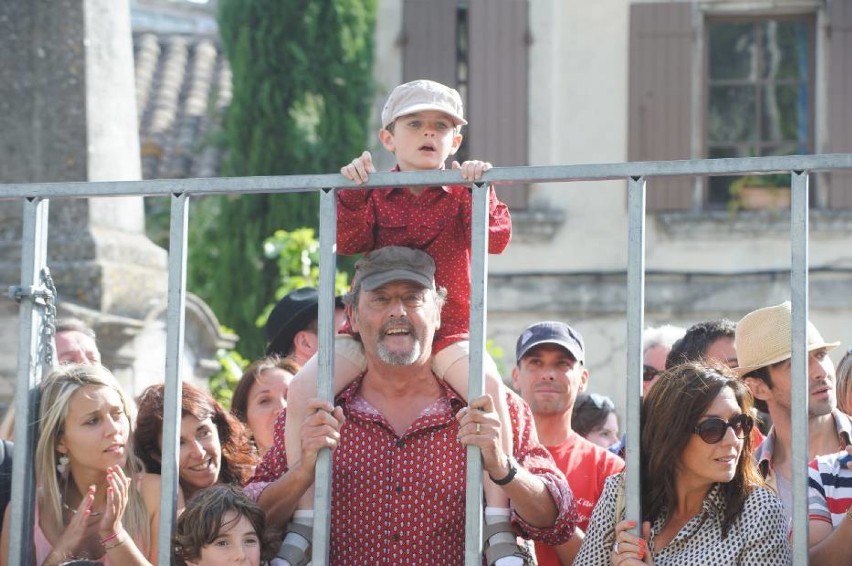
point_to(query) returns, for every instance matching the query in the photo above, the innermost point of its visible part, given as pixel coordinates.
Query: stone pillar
(68, 113)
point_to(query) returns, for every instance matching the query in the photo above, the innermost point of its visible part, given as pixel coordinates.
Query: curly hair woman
(214, 447)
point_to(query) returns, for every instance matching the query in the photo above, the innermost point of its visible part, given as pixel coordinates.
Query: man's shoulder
(830, 464)
(587, 454)
(843, 423)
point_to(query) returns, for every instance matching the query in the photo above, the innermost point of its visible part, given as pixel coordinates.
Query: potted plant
(761, 192)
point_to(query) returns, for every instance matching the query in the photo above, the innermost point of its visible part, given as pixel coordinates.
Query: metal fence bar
(33, 260)
(325, 378)
(476, 383)
(635, 323)
(176, 318)
(525, 174)
(799, 362)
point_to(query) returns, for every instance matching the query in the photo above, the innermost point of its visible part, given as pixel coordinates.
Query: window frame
(810, 18)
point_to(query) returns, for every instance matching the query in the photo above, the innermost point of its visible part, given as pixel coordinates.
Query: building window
(759, 93)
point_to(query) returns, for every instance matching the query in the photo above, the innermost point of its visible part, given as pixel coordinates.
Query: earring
(62, 466)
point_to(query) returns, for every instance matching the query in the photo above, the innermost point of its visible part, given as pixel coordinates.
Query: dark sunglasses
(713, 429)
(649, 372)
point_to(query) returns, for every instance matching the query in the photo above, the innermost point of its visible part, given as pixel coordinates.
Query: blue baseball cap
(550, 332)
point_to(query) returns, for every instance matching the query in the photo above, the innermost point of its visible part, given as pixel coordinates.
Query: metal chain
(48, 329)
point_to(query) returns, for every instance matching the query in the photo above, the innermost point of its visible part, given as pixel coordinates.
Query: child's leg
(349, 363)
(452, 365)
(456, 375)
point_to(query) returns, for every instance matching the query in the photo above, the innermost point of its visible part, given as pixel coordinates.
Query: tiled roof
(183, 85)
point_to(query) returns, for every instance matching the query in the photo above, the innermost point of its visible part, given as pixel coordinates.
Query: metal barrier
(35, 205)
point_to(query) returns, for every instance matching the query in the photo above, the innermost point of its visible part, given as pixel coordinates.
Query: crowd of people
(715, 434)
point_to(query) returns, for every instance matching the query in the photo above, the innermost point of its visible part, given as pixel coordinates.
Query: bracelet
(121, 540)
(513, 469)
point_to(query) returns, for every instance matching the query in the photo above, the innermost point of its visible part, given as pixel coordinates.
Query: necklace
(68, 508)
(74, 511)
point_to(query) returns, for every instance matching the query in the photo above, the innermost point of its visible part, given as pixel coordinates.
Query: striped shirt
(829, 489)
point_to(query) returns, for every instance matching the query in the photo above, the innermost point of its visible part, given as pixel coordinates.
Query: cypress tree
(302, 86)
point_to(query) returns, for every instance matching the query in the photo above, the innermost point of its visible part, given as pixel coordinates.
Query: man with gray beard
(399, 465)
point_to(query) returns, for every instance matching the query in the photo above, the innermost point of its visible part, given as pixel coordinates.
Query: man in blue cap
(549, 374)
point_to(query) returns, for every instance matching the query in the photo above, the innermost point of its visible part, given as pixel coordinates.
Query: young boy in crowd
(422, 123)
(221, 525)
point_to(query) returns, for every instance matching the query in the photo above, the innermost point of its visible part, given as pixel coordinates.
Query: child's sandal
(494, 552)
(293, 554)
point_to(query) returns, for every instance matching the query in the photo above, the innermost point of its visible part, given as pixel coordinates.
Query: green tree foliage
(296, 254)
(296, 258)
(302, 85)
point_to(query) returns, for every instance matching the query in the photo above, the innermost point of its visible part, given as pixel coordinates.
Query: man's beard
(400, 358)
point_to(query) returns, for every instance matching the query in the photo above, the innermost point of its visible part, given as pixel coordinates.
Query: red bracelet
(109, 538)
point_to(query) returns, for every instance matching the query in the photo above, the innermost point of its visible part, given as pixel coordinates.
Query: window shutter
(429, 40)
(839, 95)
(498, 89)
(660, 90)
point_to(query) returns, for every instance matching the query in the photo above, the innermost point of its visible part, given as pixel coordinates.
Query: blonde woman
(93, 501)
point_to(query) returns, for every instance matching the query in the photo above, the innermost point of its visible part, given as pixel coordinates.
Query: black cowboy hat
(293, 313)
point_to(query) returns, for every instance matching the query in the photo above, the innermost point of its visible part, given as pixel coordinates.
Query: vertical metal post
(476, 383)
(175, 328)
(799, 362)
(635, 323)
(325, 379)
(33, 259)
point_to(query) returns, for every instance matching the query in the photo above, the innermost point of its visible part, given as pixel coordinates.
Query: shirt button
(395, 537)
(399, 443)
(399, 489)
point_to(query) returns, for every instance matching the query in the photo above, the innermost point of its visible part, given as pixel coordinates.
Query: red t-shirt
(586, 466)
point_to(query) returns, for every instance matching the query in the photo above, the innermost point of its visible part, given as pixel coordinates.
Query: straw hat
(764, 337)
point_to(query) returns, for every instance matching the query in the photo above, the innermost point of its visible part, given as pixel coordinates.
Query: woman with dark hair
(214, 447)
(703, 500)
(260, 396)
(595, 420)
(221, 525)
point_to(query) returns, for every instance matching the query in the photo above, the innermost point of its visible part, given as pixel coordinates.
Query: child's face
(237, 543)
(422, 140)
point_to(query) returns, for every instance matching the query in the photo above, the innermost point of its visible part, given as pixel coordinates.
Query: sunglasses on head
(649, 372)
(713, 429)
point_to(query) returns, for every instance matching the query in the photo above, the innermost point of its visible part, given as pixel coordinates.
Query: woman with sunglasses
(703, 501)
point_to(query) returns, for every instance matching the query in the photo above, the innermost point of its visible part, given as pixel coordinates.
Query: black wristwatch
(513, 469)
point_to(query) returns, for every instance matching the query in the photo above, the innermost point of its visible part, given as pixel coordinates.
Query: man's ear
(306, 342)
(758, 387)
(584, 380)
(350, 315)
(516, 374)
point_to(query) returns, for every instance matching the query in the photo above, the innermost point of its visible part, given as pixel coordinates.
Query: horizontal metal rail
(528, 174)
